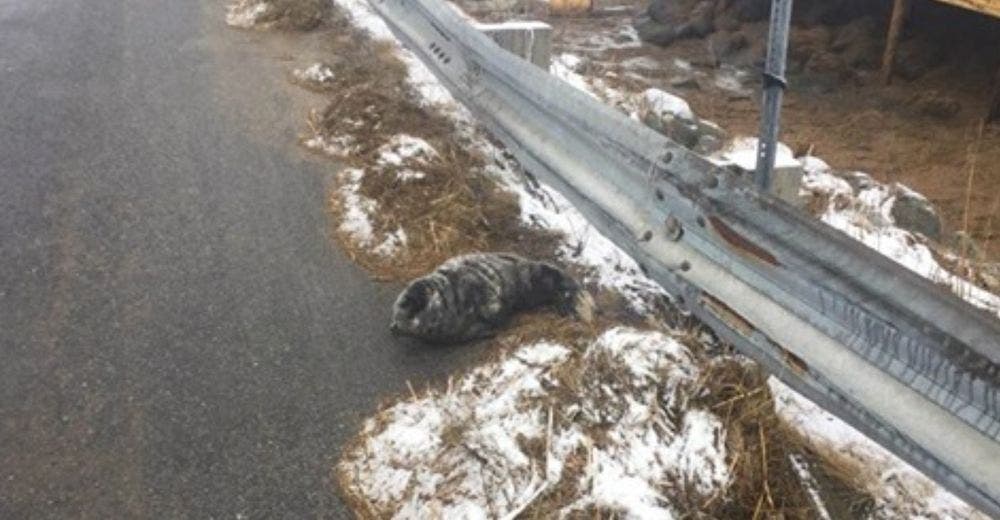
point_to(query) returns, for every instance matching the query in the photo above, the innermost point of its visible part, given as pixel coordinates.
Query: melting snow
(317, 73)
(339, 146)
(467, 446)
(663, 103)
(867, 218)
(419, 455)
(742, 152)
(404, 148)
(900, 490)
(358, 209)
(246, 13)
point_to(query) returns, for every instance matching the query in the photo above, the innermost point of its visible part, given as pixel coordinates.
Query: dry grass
(455, 209)
(297, 15)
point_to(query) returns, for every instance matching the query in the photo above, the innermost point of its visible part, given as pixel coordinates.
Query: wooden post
(994, 111)
(899, 8)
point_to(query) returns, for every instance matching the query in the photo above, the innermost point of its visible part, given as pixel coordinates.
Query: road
(179, 336)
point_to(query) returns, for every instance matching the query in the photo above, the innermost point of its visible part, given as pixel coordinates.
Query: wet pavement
(179, 336)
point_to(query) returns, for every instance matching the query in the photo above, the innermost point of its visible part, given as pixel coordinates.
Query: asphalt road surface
(179, 336)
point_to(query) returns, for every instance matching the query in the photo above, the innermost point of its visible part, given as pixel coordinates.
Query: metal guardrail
(904, 361)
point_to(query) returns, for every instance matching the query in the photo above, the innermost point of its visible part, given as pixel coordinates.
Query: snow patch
(316, 74)
(742, 152)
(357, 209)
(403, 148)
(246, 14)
(866, 217)
(430, 91)
(664, 103)
(465, 449)
(334, 146)
(564, 66)
(393, 243)
(900, 491)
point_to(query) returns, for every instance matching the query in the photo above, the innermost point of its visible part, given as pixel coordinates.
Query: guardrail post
(774, 87)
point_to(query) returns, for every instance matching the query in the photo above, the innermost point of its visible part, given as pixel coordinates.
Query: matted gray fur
(470, 296)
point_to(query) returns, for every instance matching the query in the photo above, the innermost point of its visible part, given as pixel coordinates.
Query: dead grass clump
(454, 208)
(296, 15)
(765, 483)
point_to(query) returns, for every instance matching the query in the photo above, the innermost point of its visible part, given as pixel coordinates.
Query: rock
(673, 117)
(667, 12)
(701, 21)
(684, 133)
(859, 181)
(753, 10)
(934, 104)
(651, 31)
(707, 145)
(913, 212)
(667, 20)
(710, 129)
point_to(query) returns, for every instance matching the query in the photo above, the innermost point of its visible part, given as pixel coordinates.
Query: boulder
(858, 181)
(666, 21)
(666, 11)
(913, 212)
(700, 21)
(707, 145)
(651, 31)
(673, 117)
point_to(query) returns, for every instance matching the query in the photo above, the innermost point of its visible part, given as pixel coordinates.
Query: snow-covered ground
(247, 14)
(866, 216)
(317, 75)
(500, 437)
(472, 450)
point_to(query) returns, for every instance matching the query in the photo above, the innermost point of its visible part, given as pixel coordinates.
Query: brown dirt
(922, 131)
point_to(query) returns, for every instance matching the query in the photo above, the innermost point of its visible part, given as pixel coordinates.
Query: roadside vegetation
(418, 185)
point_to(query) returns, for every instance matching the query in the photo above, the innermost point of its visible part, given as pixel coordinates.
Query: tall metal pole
(774, 87)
